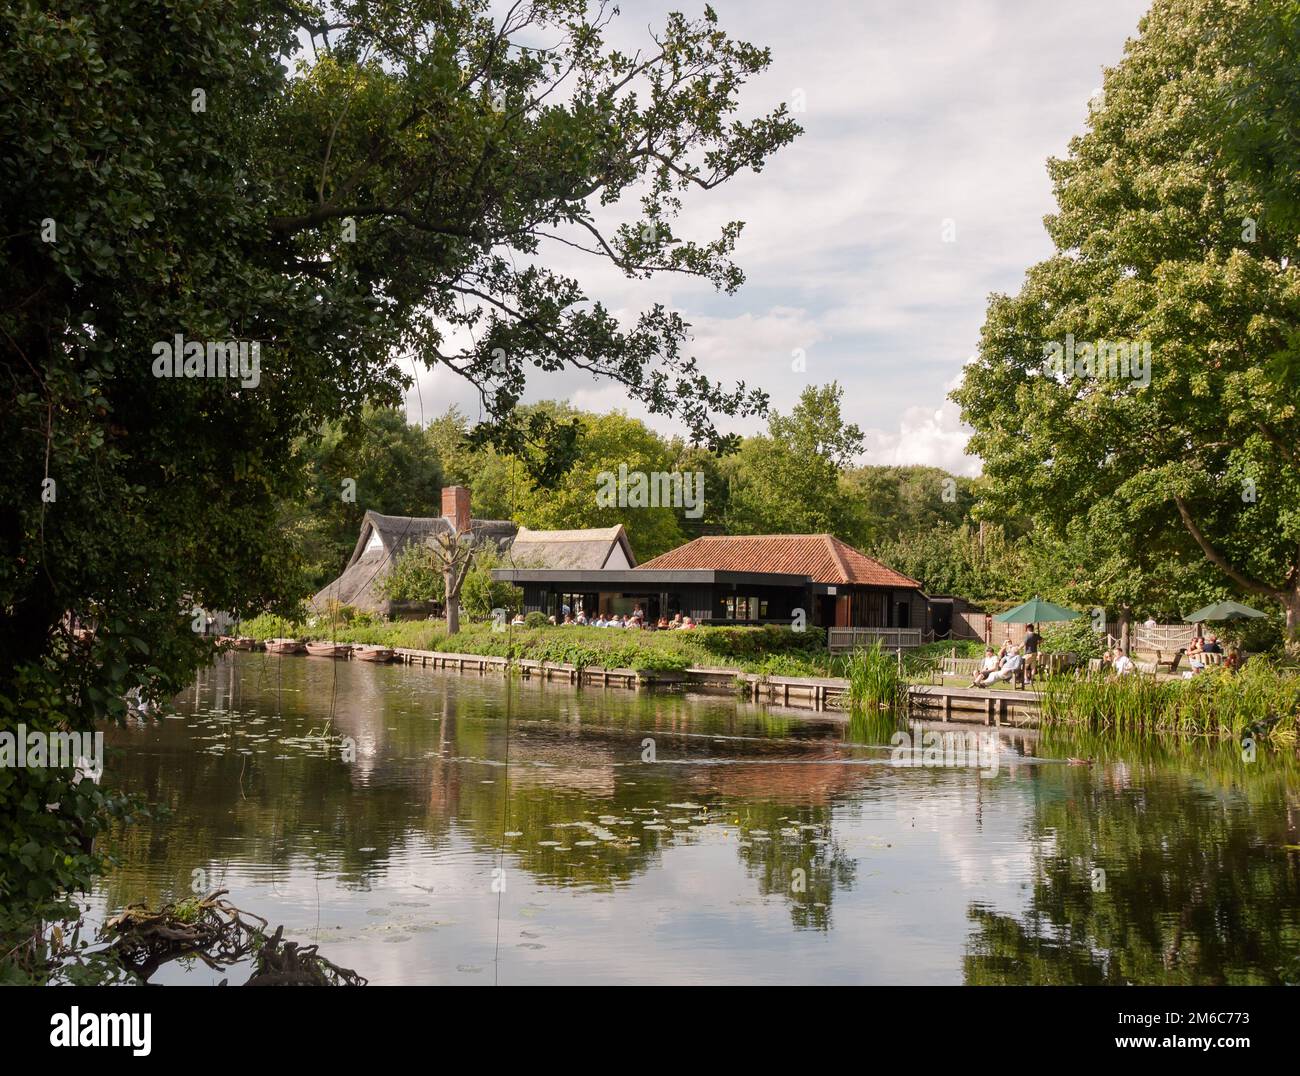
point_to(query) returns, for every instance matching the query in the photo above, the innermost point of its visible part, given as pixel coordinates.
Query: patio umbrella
(1036, 611)
(1223, 611)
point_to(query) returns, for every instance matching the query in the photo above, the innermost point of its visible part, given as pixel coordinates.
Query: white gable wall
(617, 558)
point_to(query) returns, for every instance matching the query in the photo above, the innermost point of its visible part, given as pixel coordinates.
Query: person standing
(1032, 639)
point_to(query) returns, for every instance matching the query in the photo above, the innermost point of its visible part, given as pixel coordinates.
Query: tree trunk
(1291, 603)
(1125, 630)
(453, 593)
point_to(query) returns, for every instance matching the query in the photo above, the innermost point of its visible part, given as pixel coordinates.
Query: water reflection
(761, 845)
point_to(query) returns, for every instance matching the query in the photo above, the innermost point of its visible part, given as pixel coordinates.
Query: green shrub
(269, 626)
(1073, 636)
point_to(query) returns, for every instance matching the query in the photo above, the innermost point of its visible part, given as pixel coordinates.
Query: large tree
(345, 186)
(1170, 236)
(379, 463)
(790, 480)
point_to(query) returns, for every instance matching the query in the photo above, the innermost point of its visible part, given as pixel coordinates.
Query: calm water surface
(763, 846)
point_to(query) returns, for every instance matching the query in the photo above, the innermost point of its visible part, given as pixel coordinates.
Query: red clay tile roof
(821, 556)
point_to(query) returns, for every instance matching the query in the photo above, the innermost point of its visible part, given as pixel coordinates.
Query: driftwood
(288, 964)
(216, 932)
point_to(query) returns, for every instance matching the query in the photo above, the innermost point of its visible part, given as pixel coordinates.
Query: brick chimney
(455, 507)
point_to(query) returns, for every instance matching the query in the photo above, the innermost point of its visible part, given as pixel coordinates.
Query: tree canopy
(345, 192)
(1143, 382)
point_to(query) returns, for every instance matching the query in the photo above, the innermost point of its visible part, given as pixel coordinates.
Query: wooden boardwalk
(811, 692)
(991, 706)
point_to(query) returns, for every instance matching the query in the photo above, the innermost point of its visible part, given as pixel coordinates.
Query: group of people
(636, 620)
(1011, 662)
(1198, 648)
(1118, 662)
(1005, 664)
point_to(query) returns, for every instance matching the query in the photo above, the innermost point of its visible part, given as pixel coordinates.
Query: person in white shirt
(1123, 665)
(987, 666)
(1011, 665)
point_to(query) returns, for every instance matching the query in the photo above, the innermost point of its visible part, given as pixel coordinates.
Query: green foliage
(768, 649)
(981, 566)
(1260, 701)
(790, 482)
(874, 679)
(1175, 231)
(341, 203)
(535, 620)
(272, 626)
(604, 443)
(480, 593)
(905, 502)
(376, 462)
(416, 575)
(1072, 637)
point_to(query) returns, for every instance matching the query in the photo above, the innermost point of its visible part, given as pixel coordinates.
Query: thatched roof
(582, 550)
(379, 544)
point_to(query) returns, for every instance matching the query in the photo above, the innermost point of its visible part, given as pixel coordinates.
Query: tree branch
(1217, 559)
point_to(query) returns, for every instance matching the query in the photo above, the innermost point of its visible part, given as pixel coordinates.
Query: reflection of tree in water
(427, 776)
(1198, 888)
(784, 847)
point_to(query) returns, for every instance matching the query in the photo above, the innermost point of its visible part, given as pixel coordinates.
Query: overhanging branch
(1217, 559)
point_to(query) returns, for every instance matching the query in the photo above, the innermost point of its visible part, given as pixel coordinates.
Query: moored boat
(373, 653)
(237, 642)
(286, 646)
(321, 649)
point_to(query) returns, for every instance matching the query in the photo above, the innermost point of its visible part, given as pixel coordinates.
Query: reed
(1260, 700)
(874, 679)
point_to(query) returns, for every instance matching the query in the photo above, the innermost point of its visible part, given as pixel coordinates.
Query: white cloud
(917, 111)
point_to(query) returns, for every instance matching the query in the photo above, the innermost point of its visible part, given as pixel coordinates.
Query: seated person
(599, 622)
(1194, 652)
(1123, 664)
(1212, 645)
(1235, 659)
(518, 620)
(688, 623)
(988, 665)
(1011, 665)
(663, 623)
(551, 619)
(581, 618)
(568, 618)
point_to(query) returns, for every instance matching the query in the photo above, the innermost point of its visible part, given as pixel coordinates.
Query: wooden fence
(842, 640)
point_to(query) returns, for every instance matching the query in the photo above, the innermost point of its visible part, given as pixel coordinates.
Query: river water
(473, 831)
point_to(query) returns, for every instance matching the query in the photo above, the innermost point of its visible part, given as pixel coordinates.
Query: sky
(873, 242)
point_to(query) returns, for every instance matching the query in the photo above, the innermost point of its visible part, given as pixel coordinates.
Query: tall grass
(874, 679)
(1260, 699)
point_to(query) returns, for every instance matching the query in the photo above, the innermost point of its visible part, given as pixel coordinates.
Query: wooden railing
(842, 640)
(1166, 638)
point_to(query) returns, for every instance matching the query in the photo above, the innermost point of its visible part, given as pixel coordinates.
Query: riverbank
(769, 650)
(766, 650)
